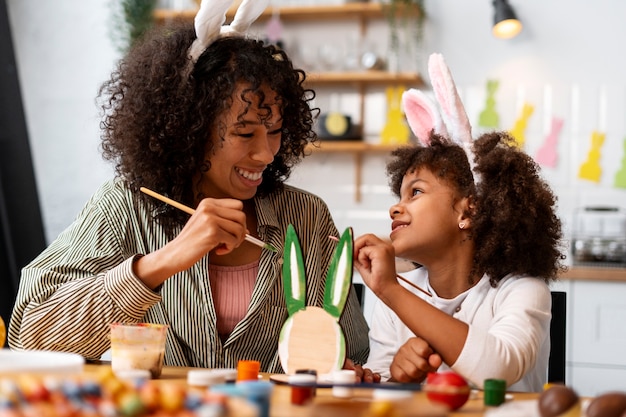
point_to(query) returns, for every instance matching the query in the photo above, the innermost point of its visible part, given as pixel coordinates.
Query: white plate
(39, 362)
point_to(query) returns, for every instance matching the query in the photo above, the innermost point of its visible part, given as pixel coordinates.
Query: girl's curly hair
(159, 111)
(514, 224)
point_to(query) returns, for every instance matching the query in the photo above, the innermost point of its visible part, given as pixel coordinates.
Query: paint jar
(258, 393)
(340, 379)
(248, 370)
(302, 388)
(309, 372)
(138, 346)
(209, 377)
(495, 390)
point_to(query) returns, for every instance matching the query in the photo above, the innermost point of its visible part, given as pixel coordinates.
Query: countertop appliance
(599, 236)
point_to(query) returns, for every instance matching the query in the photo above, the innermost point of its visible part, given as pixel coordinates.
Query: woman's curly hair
(159, 110)
(514, 224)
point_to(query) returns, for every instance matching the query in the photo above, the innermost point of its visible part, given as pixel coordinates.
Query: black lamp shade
(505, 22)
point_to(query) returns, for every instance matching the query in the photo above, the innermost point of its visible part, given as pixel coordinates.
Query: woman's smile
(255, 177)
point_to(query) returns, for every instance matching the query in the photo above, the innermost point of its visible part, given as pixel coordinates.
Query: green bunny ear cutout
(339, 275)
(293, 273)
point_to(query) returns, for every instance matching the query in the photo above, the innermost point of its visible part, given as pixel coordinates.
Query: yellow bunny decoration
(395, 132)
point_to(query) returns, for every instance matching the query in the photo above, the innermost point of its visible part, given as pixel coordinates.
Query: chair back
(556, 363)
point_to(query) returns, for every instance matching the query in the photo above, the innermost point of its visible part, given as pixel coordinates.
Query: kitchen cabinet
(596, 339)
(361, 81)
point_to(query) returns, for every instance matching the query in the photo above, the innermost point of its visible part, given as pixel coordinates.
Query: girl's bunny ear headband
(448, 119)
(209, 22)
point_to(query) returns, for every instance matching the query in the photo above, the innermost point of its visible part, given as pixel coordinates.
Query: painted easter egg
(447, 388)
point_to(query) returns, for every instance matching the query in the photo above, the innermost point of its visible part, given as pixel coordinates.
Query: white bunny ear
(422, 115)
(247, 13)
(447, 95)
(209, 22)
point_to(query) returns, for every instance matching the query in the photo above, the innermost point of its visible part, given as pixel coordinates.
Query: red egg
(447, 388)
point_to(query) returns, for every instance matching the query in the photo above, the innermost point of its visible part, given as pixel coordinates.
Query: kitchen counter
(589, 273)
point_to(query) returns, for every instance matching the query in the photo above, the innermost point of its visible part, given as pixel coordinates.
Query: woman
(217, 127)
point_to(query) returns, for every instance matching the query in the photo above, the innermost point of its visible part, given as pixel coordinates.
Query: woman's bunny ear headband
(449, 119)
(209, 22)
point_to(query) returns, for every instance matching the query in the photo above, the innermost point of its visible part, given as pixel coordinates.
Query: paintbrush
(401, 278)
(189, 210)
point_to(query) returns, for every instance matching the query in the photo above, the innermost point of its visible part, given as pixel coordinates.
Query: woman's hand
(217, 224)
(375, 260)
(414, 360)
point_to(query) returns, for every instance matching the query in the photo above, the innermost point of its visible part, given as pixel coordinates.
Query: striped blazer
(83, 281)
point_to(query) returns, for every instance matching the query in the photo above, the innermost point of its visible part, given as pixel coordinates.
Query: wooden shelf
(356, 147)
(360, 11)
(365, 77)
(588, 273)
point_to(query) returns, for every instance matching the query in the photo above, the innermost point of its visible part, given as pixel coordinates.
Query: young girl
(480, 223)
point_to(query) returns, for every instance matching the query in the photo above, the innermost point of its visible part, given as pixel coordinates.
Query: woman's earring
(462, 225)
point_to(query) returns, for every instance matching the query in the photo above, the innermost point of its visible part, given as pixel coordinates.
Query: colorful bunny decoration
(448, 119)
(519, 129)
(591, 169)
(548, 155)
(395, 130)
(311, 337)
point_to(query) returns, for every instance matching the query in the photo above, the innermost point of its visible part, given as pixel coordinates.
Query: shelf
(365, 77)
(360, 11)
(356, 147)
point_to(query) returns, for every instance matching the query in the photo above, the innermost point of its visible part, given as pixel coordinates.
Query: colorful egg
(608, 405)
(559, 401)
(447, 388)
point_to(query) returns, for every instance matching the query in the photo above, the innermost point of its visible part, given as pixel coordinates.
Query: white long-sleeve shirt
(508, 337)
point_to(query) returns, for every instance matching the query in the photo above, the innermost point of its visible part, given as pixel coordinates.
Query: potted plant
(406, 20)
(131, 18)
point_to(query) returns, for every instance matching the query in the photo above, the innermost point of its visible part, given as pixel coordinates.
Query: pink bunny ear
(422, 115)
(454, 114)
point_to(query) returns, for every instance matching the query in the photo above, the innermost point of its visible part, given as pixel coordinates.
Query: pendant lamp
(505, 22)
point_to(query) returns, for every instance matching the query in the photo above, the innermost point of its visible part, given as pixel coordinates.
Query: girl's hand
(362, 374)
(375, 260)
(414, 360)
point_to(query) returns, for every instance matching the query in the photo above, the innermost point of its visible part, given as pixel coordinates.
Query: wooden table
(328, 406)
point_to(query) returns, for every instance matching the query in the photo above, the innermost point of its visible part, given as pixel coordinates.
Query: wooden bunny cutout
(311, 338)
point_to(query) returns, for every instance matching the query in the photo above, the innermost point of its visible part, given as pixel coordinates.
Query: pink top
(232, 290)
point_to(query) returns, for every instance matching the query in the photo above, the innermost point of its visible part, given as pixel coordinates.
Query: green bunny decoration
(311, 337)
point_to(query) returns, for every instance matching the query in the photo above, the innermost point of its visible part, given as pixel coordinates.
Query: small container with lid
(302, 388)
(495, 390)
(248, 370)
(209, 377)
(342, 378)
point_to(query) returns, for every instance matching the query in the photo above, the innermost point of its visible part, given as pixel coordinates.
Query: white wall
(64, 52)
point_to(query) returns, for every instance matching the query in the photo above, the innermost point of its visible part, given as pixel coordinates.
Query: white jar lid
(391, 394)
(207, 377)
(133, 374)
